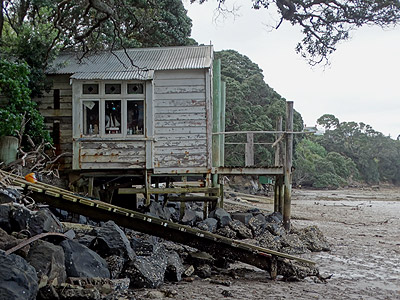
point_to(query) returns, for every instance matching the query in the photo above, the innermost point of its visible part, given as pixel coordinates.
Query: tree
(250, 105)
(325, 23)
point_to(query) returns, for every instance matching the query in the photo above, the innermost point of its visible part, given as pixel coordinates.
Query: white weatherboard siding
(180, 119)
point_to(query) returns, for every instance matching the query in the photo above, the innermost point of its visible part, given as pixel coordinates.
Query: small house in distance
(136, 117)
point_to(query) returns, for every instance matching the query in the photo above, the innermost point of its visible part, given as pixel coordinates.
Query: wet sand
(363, 228)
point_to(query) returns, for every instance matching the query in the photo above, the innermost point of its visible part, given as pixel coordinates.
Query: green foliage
(14, 80)
(356, 152)
(250, 105)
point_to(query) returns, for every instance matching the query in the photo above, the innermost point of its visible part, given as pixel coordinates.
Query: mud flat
(363, 228)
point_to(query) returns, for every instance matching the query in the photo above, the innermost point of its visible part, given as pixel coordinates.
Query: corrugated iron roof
(138, 63)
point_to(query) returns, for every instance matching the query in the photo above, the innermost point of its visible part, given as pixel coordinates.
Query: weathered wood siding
(61, 116)
(108, 154)
(180, 119)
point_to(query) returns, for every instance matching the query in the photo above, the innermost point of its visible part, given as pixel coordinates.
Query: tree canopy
(325, 23)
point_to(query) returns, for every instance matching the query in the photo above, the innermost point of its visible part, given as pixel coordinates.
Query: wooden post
(278, 162)
(222, 140)
(216, 107)
(147, 179)
(249, 159)
(90, 188)
(288, 165)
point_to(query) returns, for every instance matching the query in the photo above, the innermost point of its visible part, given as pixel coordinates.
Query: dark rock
(79, 293)
(48, 260)
(189, 218)
(9, 195)
(275, 217)
(155, 209)
(227, 232)
(174, 268)
(313, 239)
(19, 217)
(44, 221)
(199, 216)
(5, 211)
(143, 246)
(70, 234)
(292, 244)
(111, 240)
(269, 241)
(8, 241)
(222, 216)
(203, 271)
(209, 224)
(254, 211)
(241, 230)
(80, 261)
(18, 279)
(85, 239)
(226, 293)
(115, 265)
(174, 214)
(147, 271)
(48, 292)
(242, 217)
(257, 224)
(295, 271)
(276, 229)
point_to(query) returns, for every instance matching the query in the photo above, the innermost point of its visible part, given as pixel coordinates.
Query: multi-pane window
(118, 109)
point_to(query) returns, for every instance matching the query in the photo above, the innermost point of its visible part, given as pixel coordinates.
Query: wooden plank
(112, 152)
(180, 110)
(180, 150)
(56, 113)
(177, 96)
(180, 130)
(62, 85)
(113, 145)
(181, 123)
(50, 99)
(180, 143)
(180, 160)
(187, 116)
(179, 89)
(111, 159)
(179, 103)
(108, 166)
(181, 137)
(180, 82)
(181, 170)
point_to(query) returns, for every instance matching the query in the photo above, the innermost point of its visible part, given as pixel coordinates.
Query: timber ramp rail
(214, 244)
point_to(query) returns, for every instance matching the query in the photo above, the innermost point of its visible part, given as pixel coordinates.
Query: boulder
(18, 279)
(257, 224)
(5, 211)
(313, 239)
(19, 217)
(222, 216)
(155, 209)
(269, 241)
(85, 239)
(147, 271)
(48, 260)
(174, 268)
(209, 224)
(291, 244)
(241, 230)
(276, 229)
(275, 217)
(242, 217)
(143, 246)
(80, 261)
(189, 218)
(8, 241)
(115, 265)
(227, 232)
(44, 221)
(111, 240)
(8, 195)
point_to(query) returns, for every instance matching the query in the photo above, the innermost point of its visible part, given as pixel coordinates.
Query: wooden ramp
(216, 245)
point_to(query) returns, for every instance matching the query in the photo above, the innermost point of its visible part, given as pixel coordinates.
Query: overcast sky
(362, 84)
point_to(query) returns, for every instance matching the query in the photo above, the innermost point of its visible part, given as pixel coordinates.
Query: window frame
(102, 97)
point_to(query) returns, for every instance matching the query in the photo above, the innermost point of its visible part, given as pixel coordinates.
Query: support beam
(249, 159)
(288, 165)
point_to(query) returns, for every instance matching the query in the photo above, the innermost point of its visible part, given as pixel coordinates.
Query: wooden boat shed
(134, 116)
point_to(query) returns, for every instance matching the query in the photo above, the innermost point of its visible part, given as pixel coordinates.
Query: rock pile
(102, 261)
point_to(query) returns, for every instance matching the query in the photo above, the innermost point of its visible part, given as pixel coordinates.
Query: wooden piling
(278, 162)
(249, 158)
(288, 165)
